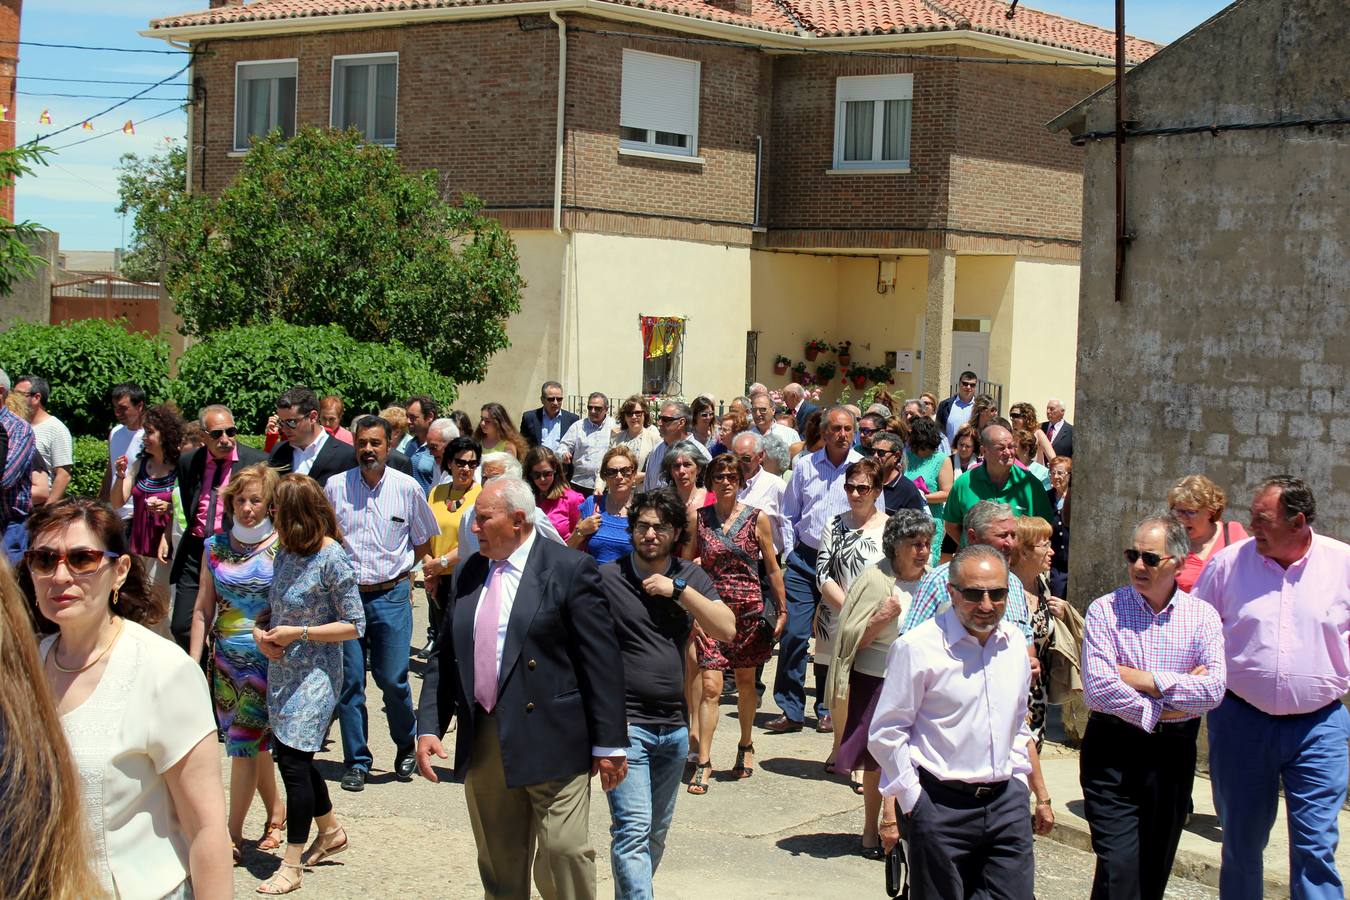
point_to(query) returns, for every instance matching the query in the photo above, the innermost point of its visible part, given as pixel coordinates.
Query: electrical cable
(104, 134)
(83, 80)
(1213, 130)
(123, 102)
(83, 47)
(94, 96)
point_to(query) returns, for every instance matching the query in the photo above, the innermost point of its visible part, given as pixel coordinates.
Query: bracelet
(304, 633)
(1045, 802)
(892, 823)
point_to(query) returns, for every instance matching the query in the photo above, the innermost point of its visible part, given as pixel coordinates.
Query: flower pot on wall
(859, 382)
(812, 353)
(780, 369)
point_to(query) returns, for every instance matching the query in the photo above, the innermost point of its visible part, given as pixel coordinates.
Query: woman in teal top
(930, 470)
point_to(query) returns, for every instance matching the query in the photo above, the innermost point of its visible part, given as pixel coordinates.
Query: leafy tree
(16, 260)
(325, 228)
(150, 189)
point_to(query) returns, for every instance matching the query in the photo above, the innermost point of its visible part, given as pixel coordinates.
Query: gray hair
(744, 401)
(905, 525)
(776, 450)
(549, 384)
(683, 448)
(602, 397)
(1175, 539)
(751, 435)
(890, 437)
(985, 513)
(517, 496)
(914, 402)
(794, 388)
(681, 410)
(446, 428)
(211, 410)
(510, 465)
(4, 381)
(974, 553)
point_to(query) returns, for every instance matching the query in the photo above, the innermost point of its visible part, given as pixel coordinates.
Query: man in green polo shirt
(998, 479)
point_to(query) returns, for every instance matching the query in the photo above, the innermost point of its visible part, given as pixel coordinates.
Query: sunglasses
(595, 409)
(469, 463)
(857, 488)
(85, 561)
(1151, 559)
(666, 420)
(977, 595)
(553, 399)
(863, 430)
(726, 477)
(540, 475)
(632, 412)
(218, 433)
(290, 423)
(619, 473)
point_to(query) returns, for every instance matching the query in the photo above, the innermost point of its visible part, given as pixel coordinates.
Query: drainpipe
(1121, 237)
(562, 106)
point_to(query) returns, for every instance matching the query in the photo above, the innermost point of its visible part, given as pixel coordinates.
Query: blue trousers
(388, 638)
(642, 806)
(1250, 753)
(789, 685)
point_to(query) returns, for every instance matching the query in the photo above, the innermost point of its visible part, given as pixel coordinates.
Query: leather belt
(979, 790)
(381, 586)
(1171, 726)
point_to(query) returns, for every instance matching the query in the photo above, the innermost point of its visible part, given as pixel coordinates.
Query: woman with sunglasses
(149, 484)
(450, 501)
(850, 544)
(732, 542)
(135, 710)
(496, 433)
(1198, 504)
(636, 431)
(1023, 416)
(552, 495)
(602, 530)
(237, 574)
(702, 424)
(983, 412)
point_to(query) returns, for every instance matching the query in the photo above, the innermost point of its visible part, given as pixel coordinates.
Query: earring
(114, 598)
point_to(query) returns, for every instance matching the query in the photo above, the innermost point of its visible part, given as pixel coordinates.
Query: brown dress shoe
(825, 725)
(782, 725)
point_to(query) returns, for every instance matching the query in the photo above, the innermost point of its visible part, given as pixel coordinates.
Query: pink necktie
(485, 642)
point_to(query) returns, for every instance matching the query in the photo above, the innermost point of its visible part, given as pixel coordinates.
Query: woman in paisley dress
(313, 607)
(731, 541)
(850, 544)
(239, 567)
(1030, 562)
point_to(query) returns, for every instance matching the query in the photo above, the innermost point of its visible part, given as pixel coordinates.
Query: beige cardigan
(865, 595)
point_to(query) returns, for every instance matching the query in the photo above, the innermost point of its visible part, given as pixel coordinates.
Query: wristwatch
(680, 585)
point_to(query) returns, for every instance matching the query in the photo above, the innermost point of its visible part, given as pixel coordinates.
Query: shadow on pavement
(808, 769)
(820, 846)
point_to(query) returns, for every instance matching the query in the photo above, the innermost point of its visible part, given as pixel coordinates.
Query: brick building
(762, 172)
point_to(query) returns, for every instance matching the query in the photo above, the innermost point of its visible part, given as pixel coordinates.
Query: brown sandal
(699, 785)
(318, 852)
(268, 840)
(281, 881)
(741, 770)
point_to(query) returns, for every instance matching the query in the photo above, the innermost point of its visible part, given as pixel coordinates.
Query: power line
(120, 103)
(104, 134)
(83, 80)
(93, 96)
(83, 47)
(1214, 129)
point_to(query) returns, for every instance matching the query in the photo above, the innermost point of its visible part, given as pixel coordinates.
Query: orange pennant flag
(129, 128)
(88, 126)
(45, 118)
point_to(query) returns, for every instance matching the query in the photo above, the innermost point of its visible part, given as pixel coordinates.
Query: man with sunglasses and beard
(951, 737)
(1152, 663)
(202, 477)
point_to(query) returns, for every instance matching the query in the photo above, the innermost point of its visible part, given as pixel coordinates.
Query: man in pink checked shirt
(1153, 663)
(1284, 597)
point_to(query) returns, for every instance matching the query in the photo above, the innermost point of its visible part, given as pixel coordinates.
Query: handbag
(769, 611)
(897, 870)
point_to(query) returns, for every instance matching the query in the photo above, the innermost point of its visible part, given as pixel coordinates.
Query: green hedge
(82, 360)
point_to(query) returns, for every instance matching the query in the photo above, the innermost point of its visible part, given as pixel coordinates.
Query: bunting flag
(45, 118)
(4, 113)
(660, 335)
(87, 126)
(129, 128)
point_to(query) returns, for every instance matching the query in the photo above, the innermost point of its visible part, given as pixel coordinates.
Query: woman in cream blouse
(135, 710)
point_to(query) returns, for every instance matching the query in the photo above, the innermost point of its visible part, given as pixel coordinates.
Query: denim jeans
(789, 685)
(642, 806)
(388, 637)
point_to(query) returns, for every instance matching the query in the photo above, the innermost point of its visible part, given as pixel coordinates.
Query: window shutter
(659, 93)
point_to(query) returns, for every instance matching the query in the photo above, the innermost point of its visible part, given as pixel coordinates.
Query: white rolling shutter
(659, 93)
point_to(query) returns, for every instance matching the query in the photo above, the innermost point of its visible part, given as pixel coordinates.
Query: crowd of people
(591, 582)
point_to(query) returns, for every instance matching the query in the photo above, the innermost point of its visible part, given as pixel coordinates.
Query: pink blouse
(564, 512)
(1229, 533)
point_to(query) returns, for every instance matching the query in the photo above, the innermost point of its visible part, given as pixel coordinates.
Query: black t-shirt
(902, 495)
(652, 633)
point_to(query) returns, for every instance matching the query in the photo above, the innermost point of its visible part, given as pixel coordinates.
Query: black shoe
(430, 648)
(404, 765)
(354, 780)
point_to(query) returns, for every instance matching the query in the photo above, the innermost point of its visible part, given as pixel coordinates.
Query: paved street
(790, 831)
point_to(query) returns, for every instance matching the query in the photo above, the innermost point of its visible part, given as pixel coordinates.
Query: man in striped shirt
(386, 526)
(1153, 663)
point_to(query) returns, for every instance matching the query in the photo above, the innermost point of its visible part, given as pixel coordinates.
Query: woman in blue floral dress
(314, 606)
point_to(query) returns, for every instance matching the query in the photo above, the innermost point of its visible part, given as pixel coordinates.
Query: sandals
(741, 770)
(700, 783)
(238, 852)
(273, 835)
(874, 853)
(282, 882)
(318, 852)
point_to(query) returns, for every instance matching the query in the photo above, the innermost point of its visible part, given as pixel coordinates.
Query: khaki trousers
(509, 823)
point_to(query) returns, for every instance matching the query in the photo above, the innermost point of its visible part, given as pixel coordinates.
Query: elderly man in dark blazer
(532, 672)
(202, 475)
(546, 425)
(1056, 429)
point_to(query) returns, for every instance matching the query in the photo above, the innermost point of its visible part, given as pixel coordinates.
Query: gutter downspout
(564, 287)
(1122, 238)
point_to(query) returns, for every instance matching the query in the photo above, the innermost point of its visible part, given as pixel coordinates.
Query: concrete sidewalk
(1200, 851)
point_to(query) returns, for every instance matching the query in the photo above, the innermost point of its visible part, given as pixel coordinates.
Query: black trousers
(1136, 793)
(185, 589)
(962, 847)
(306, 793)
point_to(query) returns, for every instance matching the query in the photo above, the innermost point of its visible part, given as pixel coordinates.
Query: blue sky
(77, 193)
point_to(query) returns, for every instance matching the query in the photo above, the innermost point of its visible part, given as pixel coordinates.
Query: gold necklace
(56, 661)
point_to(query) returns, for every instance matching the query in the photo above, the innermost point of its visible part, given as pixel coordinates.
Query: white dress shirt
(587, 443)
(654, 478)
(303, 460)
(815, 495)
(510, 570)
(765, 493)
(785, 434)
(952, 705)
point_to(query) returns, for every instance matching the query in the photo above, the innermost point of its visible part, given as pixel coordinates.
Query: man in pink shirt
(1284, 598)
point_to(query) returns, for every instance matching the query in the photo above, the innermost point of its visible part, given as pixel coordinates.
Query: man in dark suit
(794, 395)
(306, 446)
(1056, 429)
(202, 475)
(546, 425)
(540, 709)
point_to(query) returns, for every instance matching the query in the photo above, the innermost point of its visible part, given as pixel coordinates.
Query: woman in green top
(931, 471)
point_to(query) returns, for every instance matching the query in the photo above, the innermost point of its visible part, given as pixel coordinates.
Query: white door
(970, 351)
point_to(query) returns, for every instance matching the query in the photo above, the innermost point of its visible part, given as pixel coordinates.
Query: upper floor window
(871, 121)
(659, 104)
(264, 99)
(365, 95)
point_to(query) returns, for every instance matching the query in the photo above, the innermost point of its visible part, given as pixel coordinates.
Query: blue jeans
(642, 806)
(789, 685)
(388, 637)
(1249, 753)
(16, 541)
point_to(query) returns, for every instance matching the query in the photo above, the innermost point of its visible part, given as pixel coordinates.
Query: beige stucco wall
(793, 299)
(1044, 333)
(984, 290)
(876, 323)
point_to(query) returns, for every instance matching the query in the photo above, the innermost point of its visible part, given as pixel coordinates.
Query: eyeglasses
(553, 399)
(644, 527)
(746, 458)
(666, 420)
(632, 412)
(84, 561)
(726, 477)
(864, 430)
(879, 451)
(541, 474)
(1151, 559)
(1016, 415)
(1176, 511)
(469, 463)
(621, 472)
(595, 408)
(977, 595)
(968, 384)
(290, 423)
(857, 488)
(218, 433)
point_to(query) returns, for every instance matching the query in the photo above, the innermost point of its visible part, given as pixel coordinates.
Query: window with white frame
(872, 120)
(659, 104)
(264, 99)
(365, 95)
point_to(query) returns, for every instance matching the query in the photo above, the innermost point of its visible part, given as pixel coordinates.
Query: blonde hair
(260, 475)
(1031, 530)
(1199, 492)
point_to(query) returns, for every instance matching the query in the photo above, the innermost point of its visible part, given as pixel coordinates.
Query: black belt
(980, 790)
(1171, 726)
(381, 586)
